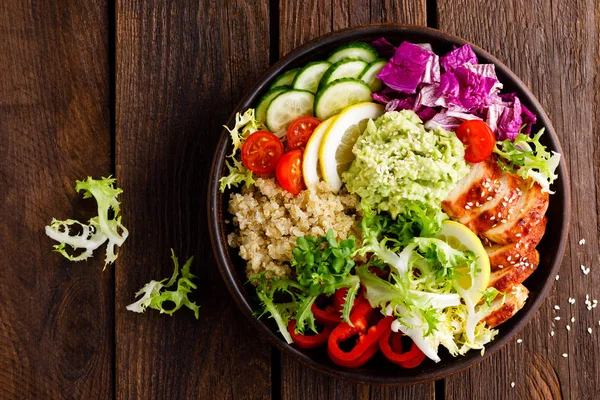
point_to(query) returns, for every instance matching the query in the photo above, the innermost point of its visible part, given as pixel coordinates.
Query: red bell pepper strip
(368, 337)
(309, 341)
(391, 346)
(327, 315)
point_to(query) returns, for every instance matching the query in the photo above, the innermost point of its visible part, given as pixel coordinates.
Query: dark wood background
(139, 89)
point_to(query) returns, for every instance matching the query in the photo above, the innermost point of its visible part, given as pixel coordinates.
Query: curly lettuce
(245, 125)
(82, 239)
(529, 159)
(154, 293)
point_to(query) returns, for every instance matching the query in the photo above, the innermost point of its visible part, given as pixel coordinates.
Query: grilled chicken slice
(507, 212)
(507, 278)
(502, 256)
(530, 208)
(515, 300)
(496, 204)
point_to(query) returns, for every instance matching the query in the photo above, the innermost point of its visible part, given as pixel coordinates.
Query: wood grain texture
(301, 21)
(554, 48)
(56, 332)
(181, 67)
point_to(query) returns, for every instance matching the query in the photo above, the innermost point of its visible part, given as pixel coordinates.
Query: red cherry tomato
(289, 172)
(300, 131)
(261, 151)
(478, 138)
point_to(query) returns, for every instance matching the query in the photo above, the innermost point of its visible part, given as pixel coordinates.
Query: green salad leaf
(321, 266)
(245, 125)
(529, 159)
(105, 227)
(421, 292)
(154, 293)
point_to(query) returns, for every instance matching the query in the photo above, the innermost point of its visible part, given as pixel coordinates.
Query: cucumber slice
(261, 109)
(285, 79)
(336, 96)
(346, 68)
(286, 107)
(308, 78)
(369, 75)
(359, 50)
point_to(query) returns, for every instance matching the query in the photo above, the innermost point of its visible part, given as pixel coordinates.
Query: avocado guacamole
(399, 162)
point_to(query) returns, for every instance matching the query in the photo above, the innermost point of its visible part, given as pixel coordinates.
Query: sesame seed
(499, 215)
(565, 355)
(557, 277)
(489, 198)
(569, 328)
(504, 203)
(551, 333)
(503, 221)
(470, 203)
(500, 266)
(582, 242)
(518, 235)
(512, 384)
(557, 318)
(590, 331)
(519, 341)
(556, 307)
(477, 204)
(467, 207)
(493, 217)
(572, 319)
(509, 258)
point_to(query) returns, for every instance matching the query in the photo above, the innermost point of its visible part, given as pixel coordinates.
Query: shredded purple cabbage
(449, 90)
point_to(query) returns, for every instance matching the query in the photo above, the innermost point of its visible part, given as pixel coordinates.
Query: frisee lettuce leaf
(106, 227)
(529, 159)
(154, 293)
(245, 125)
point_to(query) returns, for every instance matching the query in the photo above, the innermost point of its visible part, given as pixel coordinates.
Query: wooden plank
(302, 21)
(181, 67)
(553, 47)
(56, 317)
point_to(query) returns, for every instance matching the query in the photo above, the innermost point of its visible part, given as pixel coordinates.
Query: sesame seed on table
(140, 89)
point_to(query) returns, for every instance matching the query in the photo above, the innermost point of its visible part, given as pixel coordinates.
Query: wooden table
(139, 89)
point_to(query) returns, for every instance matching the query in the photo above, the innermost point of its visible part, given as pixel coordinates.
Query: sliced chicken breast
(515, 300)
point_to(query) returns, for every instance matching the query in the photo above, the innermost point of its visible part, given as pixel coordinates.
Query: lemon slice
(310, 161)
(460, 237)
(335, 152)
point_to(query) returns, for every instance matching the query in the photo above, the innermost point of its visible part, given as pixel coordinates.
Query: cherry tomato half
(289, 172)
(300, 131)
(478, 138)
(261, 151)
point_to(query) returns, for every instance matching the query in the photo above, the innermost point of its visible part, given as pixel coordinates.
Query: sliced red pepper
(390, 344)
(309, 341)
(327, 315)
(368, 337)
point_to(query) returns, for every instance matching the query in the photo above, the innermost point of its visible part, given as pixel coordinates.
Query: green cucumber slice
(369, 75)
(286, 107)
(308, 78)
(285, 79)
(359, 50)
(336, 96)
(346, 68)
(263, 103)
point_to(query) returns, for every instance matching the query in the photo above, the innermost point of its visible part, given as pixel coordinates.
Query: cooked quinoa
(268, 219)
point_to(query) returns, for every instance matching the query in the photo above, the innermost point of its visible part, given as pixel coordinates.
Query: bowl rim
(228, 271)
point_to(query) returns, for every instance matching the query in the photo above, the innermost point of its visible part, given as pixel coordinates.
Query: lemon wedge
(310, 160)
(335, 152)
(460, 237)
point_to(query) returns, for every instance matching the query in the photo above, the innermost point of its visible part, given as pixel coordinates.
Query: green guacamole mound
(399, 162)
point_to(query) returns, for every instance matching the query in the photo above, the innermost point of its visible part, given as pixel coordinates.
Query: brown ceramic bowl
(379, 371)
